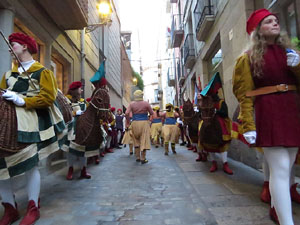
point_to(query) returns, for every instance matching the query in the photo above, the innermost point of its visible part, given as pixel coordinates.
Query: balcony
(188, 52)
(176, 31)
(67, 14)
(204, 17)
(171, 77)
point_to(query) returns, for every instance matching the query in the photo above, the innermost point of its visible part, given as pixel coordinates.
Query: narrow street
(169, 190)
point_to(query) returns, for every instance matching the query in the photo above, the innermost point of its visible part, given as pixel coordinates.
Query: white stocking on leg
(33, 184)
(224, 157)
(71, 159)
(6, 192)
(213, 156)
(280, 161)
(82, 162)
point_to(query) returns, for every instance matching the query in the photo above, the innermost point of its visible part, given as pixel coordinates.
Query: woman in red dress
(265, 80)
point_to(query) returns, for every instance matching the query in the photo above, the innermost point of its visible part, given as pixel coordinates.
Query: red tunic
(277, 115)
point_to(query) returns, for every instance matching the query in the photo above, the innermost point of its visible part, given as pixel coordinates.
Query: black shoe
(144, 161)
(174, 152)
(166, 153)
(125, 146)
(138, 160)
(131, 153)
(183, 143)
(156, 146)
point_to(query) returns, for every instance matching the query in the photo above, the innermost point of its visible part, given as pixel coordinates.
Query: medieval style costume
(32, 89)
(272, 80)
(171, 131)
(156, 126)
(127, 139)
(75, 151)
(140, 125)
(120, 126)
(217, 123)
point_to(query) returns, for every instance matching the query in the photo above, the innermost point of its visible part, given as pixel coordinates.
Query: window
(58, 69)
(292, 20)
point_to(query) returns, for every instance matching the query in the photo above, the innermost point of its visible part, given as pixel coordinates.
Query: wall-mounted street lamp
(135, 81)
(105, 10)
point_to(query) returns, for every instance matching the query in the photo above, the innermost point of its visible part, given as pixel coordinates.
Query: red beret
(112, 109)
(181, 107)
(88, 99)
(256, 17)
(24, 39)
(75, 85)
(119, 110)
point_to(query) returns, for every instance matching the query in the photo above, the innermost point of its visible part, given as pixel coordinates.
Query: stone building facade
(214, 35)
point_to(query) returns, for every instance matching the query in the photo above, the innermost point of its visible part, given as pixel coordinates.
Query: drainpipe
(82, 62)
(6, 26)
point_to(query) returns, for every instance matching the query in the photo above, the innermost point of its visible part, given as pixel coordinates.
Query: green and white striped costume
(42, 127)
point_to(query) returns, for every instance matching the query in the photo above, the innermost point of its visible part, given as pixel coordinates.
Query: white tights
(72, 158)
(280, 161)
(33, 187)
(266, 172)
(222, 154)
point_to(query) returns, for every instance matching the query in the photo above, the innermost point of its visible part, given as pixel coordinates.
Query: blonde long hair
(257, 47)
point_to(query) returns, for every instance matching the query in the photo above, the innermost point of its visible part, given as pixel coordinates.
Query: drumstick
(17, 58)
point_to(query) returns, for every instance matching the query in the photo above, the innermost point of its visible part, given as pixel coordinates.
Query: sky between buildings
(148, 22)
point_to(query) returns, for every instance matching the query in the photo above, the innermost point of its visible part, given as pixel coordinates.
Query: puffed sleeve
(242, 83)
(3, 82)
(48, 92)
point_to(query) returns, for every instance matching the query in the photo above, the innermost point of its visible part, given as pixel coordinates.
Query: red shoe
(101, 154)
(110, 150)
(70, 173)
(294, 193)
(273, 215)
(265, 195)
(199, 157)
(195, 149)
(10, 214)
(97, 159)
(226, 169)
(85, 174)
(191, 148)
(214, 167)
(32, 214)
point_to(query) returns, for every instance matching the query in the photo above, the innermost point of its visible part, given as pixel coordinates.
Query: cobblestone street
(169, 190)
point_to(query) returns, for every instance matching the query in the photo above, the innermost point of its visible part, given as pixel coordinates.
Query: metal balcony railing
(203, 9)
(176, 30)
(171, 77)
(188, 48)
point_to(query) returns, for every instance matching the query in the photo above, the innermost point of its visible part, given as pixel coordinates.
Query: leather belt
(271, 89)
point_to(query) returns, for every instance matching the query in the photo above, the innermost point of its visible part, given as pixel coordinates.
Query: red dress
(277, 115)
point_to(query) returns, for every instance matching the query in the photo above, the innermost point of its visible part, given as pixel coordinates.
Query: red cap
(24, 39)
(181, 107)
(75, 85)
(112, 109)
(256, 17)
(119, 110)
(88, 99)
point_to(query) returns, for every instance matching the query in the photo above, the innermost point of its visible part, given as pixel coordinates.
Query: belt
(271, 89)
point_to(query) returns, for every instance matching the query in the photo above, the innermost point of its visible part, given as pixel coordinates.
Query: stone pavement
(169, 190)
